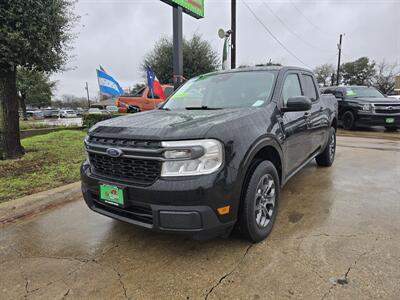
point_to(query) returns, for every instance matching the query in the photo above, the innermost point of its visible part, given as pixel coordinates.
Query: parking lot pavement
(337, 236)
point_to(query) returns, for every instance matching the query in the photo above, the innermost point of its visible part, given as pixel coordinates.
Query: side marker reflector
(224, 210)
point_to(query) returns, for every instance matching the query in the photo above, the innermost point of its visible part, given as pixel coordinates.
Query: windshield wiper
(163, 108)
(203, 107)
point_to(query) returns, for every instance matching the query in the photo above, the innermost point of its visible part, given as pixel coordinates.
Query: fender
(263, 141)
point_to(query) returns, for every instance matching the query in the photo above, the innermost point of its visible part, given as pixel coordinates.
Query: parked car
(215, 155)
(112, 109)
(143, 100)
(365, 106)
(94, 111)
(50, 113)
(35, 114)
(67, 114)
(80, 112)
(397, 97)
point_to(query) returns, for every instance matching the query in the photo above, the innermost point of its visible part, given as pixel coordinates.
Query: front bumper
(176, 206)
(372, 119)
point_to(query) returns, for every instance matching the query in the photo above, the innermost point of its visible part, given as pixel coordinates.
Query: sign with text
(195, 8)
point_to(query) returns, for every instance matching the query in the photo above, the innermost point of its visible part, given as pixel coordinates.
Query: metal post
(178, 47)
(233, 35)
(338, 65)
(87, 92)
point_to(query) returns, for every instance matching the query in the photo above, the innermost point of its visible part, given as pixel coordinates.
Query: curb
(34, 132)
(30, 205)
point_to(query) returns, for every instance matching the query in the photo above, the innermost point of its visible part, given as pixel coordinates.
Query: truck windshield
(224, 90)
(363, 92)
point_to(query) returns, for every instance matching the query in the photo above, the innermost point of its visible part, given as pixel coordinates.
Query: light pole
(87, 92)
(233, 34)
(339, 57)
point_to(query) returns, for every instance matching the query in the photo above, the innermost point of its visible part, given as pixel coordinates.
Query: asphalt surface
(336, 237)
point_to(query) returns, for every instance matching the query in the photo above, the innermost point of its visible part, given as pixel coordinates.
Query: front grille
(387, 108)
(387, 111)
(141, 171)
(116, 142)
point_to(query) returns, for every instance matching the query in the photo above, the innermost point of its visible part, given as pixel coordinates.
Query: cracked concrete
(336, 237)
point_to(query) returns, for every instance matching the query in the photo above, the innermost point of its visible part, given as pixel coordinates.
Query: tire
(348, 120)
(391, 129)
(259, 210)
(326, 158)
(133, 109)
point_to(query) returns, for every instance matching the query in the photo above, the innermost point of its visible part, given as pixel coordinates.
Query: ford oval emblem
(113, 152)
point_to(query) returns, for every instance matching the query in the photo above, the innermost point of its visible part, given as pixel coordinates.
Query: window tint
(309, 88)
(225, 90)
(291, 87)
(168, 91)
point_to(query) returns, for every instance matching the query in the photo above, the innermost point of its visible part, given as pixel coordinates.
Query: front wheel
(260, 204)
(326, 158)
(348, 120)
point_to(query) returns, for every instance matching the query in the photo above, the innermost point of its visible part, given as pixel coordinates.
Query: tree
(34, 88)
(136, 88)
(198, 58)
(323, 74)
(270, 63)
(35, 35)
(358, 72)
(384, 79)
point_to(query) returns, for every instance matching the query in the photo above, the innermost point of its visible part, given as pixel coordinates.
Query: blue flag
(108, 85)
(151, 77)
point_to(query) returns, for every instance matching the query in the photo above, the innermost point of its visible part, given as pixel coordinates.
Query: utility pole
(233, 35)
(87, 92)
(339, 56)
(178, 47)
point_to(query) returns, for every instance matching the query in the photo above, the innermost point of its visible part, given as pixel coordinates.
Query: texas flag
(154, 85)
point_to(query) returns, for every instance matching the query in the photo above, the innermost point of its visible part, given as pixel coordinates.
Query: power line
(308, 20)
(273, 36)
(290, 30)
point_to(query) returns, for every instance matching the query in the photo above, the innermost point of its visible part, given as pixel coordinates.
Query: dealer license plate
(389, 120)
(112, 194)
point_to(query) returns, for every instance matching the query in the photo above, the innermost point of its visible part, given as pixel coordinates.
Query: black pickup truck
(214, 156)
(365, 106)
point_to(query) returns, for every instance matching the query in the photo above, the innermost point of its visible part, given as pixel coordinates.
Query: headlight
(366, 107)
(187, 158)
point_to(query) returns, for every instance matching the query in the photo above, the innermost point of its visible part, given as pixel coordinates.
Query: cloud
(117, 34)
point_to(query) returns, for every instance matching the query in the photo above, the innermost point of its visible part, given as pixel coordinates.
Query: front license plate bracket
(113, 195)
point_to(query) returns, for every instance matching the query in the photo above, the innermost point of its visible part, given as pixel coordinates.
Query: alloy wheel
(264, 201)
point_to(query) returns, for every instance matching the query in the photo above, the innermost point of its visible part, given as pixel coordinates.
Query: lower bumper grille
(137, 213)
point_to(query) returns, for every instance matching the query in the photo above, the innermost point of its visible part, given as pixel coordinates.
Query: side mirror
(338, 95)
(300, 103)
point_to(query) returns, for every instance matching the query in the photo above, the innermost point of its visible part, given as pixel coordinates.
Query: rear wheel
(260, 204)
(326, 158)
(391, 129)
(348, 120)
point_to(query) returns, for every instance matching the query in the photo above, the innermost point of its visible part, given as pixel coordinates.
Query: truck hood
(377, 100)
(168, 125)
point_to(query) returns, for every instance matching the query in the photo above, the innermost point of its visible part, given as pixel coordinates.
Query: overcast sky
(117, 34)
